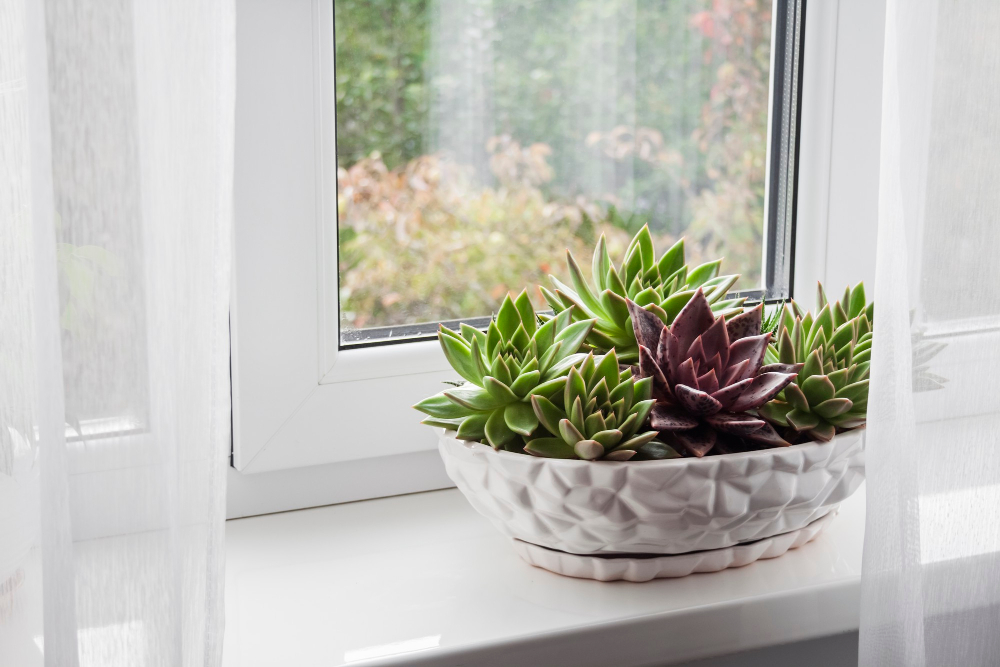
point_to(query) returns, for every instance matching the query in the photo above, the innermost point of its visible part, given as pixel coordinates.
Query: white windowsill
(424, 580)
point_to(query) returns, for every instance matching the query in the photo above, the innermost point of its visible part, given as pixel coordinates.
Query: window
(477, 139)
(321, 401)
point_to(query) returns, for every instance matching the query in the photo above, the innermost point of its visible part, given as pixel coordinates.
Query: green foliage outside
(672, 132)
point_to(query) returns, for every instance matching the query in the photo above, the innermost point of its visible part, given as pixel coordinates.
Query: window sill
(424, 580)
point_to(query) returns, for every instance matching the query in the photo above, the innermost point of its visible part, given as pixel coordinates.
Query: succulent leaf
(699, 275)
(840, 315)
(459, 355)
(745, 324)
(493, 340)
(497, 432)
(473, 427)
(525, 383)
(818, 388)
(671, 261)
(855, 392)
(608, 438)
(440, 406)
(813, 366)
(552, 448)
(473, 397)
(823, 432)
(601, 264)
(572, 338)
(449, 424)
(775, 411)
(499, 391)
(762, 389)
(697, 441)
(520, 418)
(582, 289)
(577, 416)
(833, 407)
(802, 420)
(526, 313)
(469, 333)
(796, 398)
(508, 318)
(858, 303)
(589, 450)
(656, 451)
(637, 441)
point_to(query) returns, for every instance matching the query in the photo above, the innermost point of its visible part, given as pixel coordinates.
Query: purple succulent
(707, 374)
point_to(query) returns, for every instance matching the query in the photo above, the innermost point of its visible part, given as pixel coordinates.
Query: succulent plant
(602, 414)
(707, 374)
(831, 390)
(662, 286)
(771, 319)
(513, 360)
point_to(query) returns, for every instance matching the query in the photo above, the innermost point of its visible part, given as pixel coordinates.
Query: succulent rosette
(708, 374)
(830, 393)
(661, 286)
(504, 366)
(602, 414)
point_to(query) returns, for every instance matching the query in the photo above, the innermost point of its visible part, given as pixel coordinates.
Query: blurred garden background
(478, 139)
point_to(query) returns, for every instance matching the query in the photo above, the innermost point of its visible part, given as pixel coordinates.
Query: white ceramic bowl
(655, 507)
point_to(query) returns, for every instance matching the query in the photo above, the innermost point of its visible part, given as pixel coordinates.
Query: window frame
(314, 424)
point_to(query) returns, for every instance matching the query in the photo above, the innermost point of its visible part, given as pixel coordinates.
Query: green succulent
(602, 414)
(662, 286)
(831, 390)
(771, 318)
(514, 359)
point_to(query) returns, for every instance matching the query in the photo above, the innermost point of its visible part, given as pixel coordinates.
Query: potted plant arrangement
(652, 426)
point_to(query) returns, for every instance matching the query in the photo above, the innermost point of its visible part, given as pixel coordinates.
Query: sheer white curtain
(931, 583)
(116, 145)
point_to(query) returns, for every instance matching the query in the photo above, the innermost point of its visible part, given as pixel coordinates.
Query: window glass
(477, 139)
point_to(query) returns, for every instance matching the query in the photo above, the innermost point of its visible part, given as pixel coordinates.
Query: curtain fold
(116, 121)
(931, 574)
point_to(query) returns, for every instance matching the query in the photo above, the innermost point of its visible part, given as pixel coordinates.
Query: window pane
(477, 139)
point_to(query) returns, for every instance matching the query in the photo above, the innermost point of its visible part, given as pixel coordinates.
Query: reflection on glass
(476, 139)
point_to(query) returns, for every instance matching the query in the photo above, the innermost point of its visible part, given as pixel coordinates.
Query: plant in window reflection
(79, 267)
(923, 351)
(85, 271)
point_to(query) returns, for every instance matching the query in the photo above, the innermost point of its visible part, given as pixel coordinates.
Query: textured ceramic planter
(655, 507)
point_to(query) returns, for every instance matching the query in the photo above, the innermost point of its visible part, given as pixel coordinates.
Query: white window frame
(315, 425)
